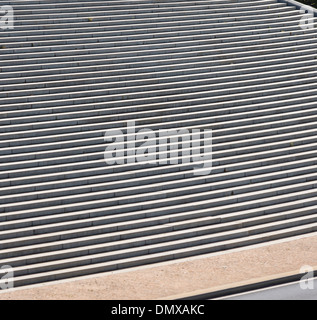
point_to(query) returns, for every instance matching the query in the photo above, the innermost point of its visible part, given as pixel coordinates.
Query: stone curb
(241, 287)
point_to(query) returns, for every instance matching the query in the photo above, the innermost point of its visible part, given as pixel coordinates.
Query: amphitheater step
(73, 72)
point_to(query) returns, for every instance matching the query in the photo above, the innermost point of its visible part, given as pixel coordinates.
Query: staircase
(73, 69)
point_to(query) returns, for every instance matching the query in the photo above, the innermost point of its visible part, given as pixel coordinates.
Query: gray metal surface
(291, 291)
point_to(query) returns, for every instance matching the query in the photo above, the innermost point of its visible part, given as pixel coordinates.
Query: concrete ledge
(241, 287)
(298, 5)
